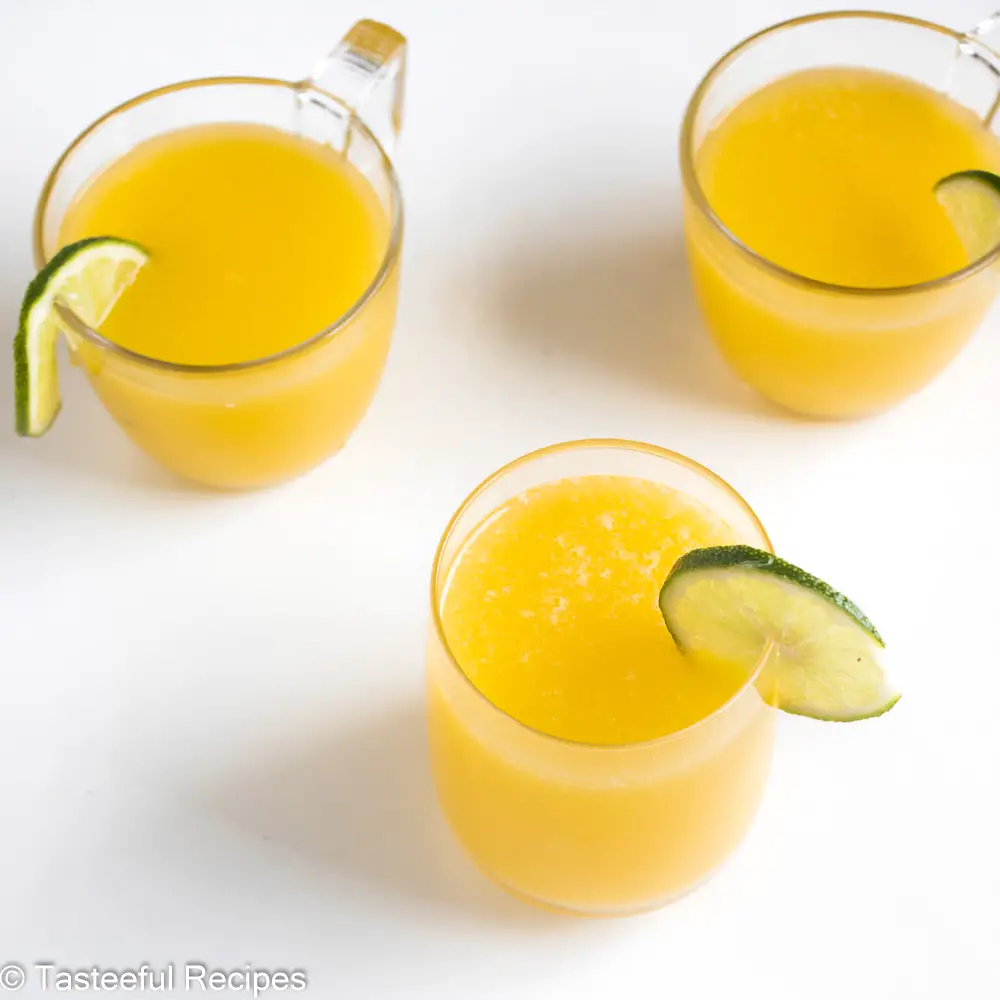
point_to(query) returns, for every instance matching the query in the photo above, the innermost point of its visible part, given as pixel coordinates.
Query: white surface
(211, 743)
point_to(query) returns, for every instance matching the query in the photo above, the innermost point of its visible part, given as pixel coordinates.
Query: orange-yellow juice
(258, 241)
(581, 760)
(829, 174)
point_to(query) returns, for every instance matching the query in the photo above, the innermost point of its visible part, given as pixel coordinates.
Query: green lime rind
(88, 277)
(971, 200)
(32, 295)
(819, 716)
(735, 606)
(730, 556)
(984, 176)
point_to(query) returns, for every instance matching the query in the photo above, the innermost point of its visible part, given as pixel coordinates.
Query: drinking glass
(258, 422)
(821, 349)
(592, 829)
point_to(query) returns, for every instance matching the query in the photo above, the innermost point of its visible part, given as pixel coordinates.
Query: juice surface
(551, 610)
(258, 240)
(830, 173)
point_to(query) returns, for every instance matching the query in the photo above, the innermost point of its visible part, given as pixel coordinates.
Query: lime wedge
(971, 199)
(86, 277)
(725, 604)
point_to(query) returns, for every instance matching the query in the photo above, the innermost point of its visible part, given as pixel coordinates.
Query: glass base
(561, 909)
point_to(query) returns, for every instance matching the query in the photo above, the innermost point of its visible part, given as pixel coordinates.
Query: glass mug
(253, 423)
(821, 349)
(597, 830)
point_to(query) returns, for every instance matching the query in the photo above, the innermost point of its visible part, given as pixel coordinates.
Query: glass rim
(389, 257)
(692, 185)
(580, 444)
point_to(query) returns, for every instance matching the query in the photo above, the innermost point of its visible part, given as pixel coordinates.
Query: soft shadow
(361, 801)
(620, 301)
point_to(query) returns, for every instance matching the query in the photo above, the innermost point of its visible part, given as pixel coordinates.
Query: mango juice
(259, 240)
(581, 760)
(826, 177)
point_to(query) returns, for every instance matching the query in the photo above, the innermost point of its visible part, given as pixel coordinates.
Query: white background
(211, 735)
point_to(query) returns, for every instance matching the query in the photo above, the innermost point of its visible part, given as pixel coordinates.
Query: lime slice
(971, 199)
(724, 605)
(86, 277)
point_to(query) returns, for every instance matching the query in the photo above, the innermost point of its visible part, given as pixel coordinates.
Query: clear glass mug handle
(978, 44)
(367, 72)
(986, 27)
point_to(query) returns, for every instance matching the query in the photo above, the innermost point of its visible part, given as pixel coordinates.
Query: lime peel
(739, 606)
(87, 277)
